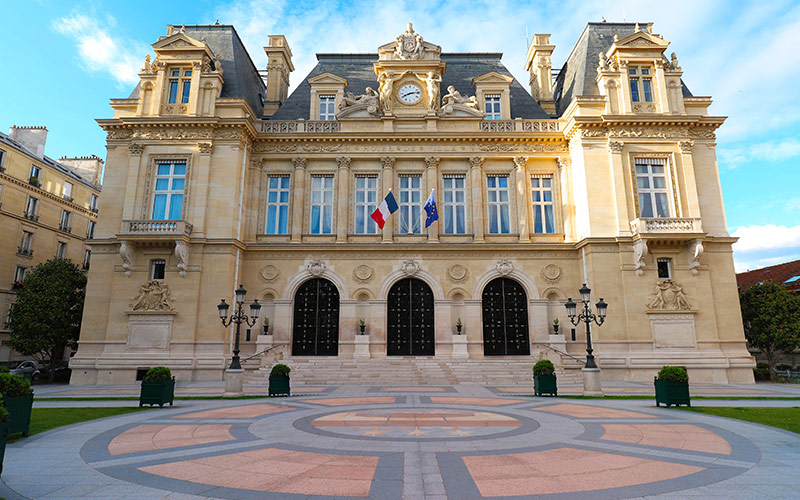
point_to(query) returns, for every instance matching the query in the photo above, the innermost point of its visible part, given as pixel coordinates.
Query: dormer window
(641, 84)
(327, 109)
(179, 86)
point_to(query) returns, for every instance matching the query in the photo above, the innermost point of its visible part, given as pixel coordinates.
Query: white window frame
(540, 204)
(410, 203)
(327, 107)
(67, 193)
(366, 197)
(277, 207)
(170, 192)
(322, 202)
(91, 229)
(498, 202)
(183, 85)
(66, 221)
(32, 207)
(492, 106)
(649, 191)
(61, 250)
(454, 207)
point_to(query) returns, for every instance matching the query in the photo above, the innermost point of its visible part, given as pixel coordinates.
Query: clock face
(409, 93)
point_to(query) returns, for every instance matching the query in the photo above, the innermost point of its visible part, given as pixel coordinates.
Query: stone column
(342, 200)
(387, 180)
(618, 186)
(432, 175)
(477, 189)
(625, 96)
(565, 202)
(298, 198)
(660, 82)
(521, 185)
(134, 163)
(198, 184)
(689, 180)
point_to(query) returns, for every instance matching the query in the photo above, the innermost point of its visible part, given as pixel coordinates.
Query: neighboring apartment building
(786, 274)
(606, 175)
(48, 209)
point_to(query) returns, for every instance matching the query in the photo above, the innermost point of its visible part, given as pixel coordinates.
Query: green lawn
(44, 419)
(782, 418)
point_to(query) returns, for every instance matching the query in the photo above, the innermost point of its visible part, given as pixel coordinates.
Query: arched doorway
(505, 318)
(409, 312)
(316, 319)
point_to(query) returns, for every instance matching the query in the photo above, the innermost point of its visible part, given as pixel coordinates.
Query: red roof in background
(781, 273)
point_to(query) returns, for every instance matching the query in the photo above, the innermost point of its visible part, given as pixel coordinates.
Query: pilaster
(618, 186)
(476, 185)
(342, 198)
(387, 180)
(689, 180)
(432, 175)
(521, 187)
(298, 198)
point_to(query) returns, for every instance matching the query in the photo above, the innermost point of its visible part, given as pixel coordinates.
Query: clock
(409, 94)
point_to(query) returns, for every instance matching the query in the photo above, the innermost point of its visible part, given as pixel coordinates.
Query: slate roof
(358, 70)
(786, 274)
(8, 141)
(577, 75)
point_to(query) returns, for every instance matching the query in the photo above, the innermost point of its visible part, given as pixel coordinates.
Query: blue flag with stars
(430, 209)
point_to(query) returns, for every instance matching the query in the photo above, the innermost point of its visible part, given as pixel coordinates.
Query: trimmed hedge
(280, 370)
(158, 374)
(544, 367)
(673, 374)
(14, 386)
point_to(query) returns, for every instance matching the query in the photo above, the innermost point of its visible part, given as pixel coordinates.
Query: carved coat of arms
(409, 44)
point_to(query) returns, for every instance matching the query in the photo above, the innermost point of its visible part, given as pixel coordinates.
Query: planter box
(672, 393)
(19, 414)
(157, 392)
(545, 384)
(3, 437)
(279, 385)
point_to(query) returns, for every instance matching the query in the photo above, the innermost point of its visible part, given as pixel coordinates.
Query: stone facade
(423, 125)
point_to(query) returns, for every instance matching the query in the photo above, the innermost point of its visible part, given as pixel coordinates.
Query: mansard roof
(360, 74)
(577, 75)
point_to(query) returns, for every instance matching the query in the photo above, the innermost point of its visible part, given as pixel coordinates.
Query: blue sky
(64, 60)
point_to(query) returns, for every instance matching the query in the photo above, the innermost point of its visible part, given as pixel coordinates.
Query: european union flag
(430, 209)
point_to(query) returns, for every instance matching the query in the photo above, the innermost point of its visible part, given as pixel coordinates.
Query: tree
(771, 316)
(46, 317)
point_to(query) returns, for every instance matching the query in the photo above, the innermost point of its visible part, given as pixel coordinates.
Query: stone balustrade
(520, 125)
(661, 225)
(156, 227)
(300, 127)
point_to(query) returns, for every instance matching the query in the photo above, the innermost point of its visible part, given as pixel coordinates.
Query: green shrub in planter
(3, 435)
(672, 386)
(544, 378)
(279, 380)
(158, 387)
(5, 369)
(18, 401)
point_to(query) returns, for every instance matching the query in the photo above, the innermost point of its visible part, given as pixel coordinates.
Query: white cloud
(772, 151)
(99, 51)
(766, 245)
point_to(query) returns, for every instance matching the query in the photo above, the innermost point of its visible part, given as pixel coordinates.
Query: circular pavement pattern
(412, 446)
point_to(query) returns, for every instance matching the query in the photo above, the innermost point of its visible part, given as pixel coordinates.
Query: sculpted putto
(454, 97)
(668, 295)
(153, 296)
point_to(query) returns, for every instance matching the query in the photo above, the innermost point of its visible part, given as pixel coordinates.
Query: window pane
(175, 205)
(283, 222)
(177, 184)
(550, 221)
(159, 206)
(162, 184)
(163, 169)
(648, 96)
(659, 182)
(635, 89)
(185, 92)
(645, 205)
(173, 91)
(179, 169)
(537, 219)
(661, 205)
(271, 219)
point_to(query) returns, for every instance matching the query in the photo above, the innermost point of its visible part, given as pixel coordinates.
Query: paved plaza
(459, 442)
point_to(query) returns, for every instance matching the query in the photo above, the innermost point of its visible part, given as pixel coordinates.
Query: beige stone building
(48, 209)
(605, 175)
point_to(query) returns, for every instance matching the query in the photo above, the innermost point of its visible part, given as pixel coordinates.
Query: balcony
(667, 228)
(24, 252)
(34, 181)
(31, 216)
(93, 209)
(65, 228)
(155, 229)
(68, 198)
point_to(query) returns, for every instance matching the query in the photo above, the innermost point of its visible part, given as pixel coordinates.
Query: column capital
(299, 162)
(387, 161)
(686, 146)
(564, 162)
(615, 147)
(343, 162)
(432, 162)
(476, 161)
(520, 161)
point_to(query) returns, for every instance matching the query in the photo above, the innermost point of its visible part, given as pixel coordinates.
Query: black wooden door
(410, 319)
(505, 318)
(316, 319)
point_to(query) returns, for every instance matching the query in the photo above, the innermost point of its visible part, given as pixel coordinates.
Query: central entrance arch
(316, 319)
(409, 312)
(505, 318)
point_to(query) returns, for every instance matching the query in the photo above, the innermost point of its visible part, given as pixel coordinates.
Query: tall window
(19, 274)
(32, 208)
(651, 182)
(35, 172)
(61, 250)
(327, 111)
(67, 191)
(277, 205)
(641, 84)
(2, 158)
(410, 194)
(93, 203)
(26, 244)
(168, 196)
(90, 231)
(542, 198)
(87, 258)
(366, 201)
(454, 204)
(322, 204)
(492, 103)
(66, 221)
(179, 86)
(498, 204)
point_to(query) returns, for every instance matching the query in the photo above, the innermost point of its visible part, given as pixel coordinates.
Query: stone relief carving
(454, 102)
(476, 161)
(666, 132)
(387, 162)
(368, 103)
(668, 295)
(431, 162)
(551, 273)
(457, 273)
(409, 44)
(147, 68)
(362, 273)
(182, 254)
(126, 252)
(299, 162)
(639, 256)
(386, 84)
(135, 148)
(686, 146)
(343, 162)
(205, 148)
(520, 161)
(528, 147)
(615, 146)
(524, 148)
(153, 296)
(410, 267)
(316, 267)
(504, 267)
(695, 252)
(269, 272)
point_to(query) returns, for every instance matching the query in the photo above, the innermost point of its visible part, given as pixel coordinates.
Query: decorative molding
(387, 161)
(256, 162)
(343, 162)
(550, 273)
(536, 147)
(431, 162)
(363, 273)
(410, 267)
(686, 146)
(299, 162)
(639, 256)
(135, 148)
(126, 253)
(615, 147)
(182, 254)
(457, 273)
(695, 252)
(269, 273)
(660, 132)
(504, 267)
(668, 295)
(564, 162)
(153, 296)
(520, 161)
(205, 148)
(316, 267)
(476, 161)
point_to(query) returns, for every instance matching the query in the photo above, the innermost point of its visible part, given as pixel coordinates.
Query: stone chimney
(32, 138)
(539, 66)
(87, 167)
(279, 65)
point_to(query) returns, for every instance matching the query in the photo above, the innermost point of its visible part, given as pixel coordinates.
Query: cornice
(47, 194)
(664, 126)
(140, 126)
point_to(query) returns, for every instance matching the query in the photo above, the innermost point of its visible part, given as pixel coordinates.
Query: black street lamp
(587, 316)
(238, 317)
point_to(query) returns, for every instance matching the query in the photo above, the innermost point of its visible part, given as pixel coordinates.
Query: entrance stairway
(411, 371)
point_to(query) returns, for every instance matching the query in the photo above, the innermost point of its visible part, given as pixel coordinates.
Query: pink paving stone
(566, 470)
(584, 411)
(474, 401)
(159, 437)
(679, 436)
(246, 411)
(352, 401)
(275, 470)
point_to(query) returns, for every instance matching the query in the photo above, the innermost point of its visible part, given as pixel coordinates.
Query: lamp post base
(234, 383)
(591, 382)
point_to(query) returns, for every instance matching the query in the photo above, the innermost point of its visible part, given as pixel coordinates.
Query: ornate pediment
(179, 41)
(492, 77)
(327, 78)
(640, 40)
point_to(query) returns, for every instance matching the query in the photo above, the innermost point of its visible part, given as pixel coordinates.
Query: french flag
(387, 207)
